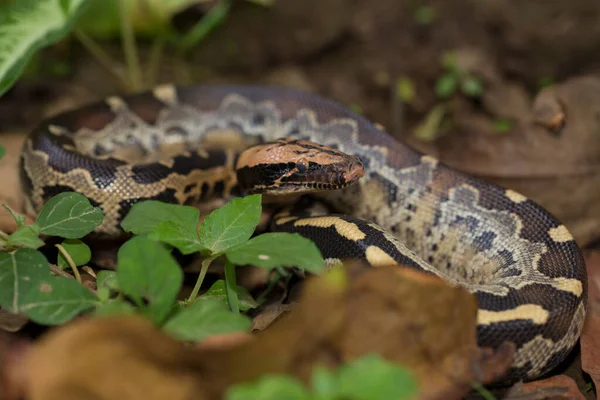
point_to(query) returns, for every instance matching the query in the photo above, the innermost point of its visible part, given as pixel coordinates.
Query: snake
(393, 205)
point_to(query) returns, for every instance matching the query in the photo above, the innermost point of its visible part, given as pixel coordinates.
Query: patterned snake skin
(523, 265)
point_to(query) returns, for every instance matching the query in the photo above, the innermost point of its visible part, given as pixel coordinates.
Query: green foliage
(26, 26)
(148, 279)
(272, 250)
(367, 378)
(203, 318)
(2, 151)
(68, 215)
(502, 125)
(79, 252)
(454, 78)
(230, 225)
(148, 273)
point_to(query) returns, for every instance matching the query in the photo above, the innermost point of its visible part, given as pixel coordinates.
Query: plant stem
(211, 20)
(204, 268)
(103, 58)
(231, 287)
(70, 261)
(3, 235)
(129, 48)
(486, 394)
(155, 56)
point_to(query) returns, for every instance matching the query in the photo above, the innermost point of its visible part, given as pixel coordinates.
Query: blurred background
(508, 90)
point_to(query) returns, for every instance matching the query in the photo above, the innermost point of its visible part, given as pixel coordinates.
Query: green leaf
(19, 271)
(204, 318)
(215, 16)
(80, 253)
(324, 383)
(170, 223)
(114, 307)
(218, 291)
(472, 87)
(405, 89)
(231, 224)
(25, 236)
(373, 378)
(18, 218)
(26, 26)
(446, 85)
(2, 151)
(107, 279)
(55, 300)
(278, 249)
(147, 271)
(502, 125)
(270, 387)
(69, 215)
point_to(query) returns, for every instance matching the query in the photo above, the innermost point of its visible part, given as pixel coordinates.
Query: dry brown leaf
(560, 387)
(590, 337)
(11, 185)
(408, 317)
(558, 168)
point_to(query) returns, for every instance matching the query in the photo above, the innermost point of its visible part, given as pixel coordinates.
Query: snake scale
(180, 145)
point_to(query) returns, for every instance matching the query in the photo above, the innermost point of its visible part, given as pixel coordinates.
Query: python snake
(180, 145)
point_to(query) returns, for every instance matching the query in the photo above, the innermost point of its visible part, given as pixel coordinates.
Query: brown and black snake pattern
(522, 264)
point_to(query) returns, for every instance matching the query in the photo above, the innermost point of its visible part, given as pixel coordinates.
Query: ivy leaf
(18, 218)
(278, 249)
(55, 300)
(114, 307)
(147, 271)
(373, 378)
(69, 215)
(25, 236)
(218, 291)
(170, 223)
(231, 224)
(106, 281)
(204, 318)
(80, 253)
(271, 387)
(26, 26)
(19, 271)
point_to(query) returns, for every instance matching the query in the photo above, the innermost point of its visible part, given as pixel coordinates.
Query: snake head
(296, 166)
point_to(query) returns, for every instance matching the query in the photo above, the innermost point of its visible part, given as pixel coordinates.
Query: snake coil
(523, 265)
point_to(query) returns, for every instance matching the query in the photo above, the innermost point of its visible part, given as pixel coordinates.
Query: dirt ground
(365, 54)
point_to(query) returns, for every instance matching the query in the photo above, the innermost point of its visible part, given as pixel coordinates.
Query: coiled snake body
(523, 265)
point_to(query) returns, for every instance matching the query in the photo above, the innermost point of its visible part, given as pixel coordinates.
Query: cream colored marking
(263, 257)
(568, 285)
(378, 258)
(560, 234)
(429, 160)
(70, 147)
(56, 130)
(531, 312)
(285, 220)
(116, 103)
(515, 197)
(379, 126)
(166, 93)
(346, 229)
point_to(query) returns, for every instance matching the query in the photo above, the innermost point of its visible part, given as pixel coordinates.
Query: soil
(356, 52)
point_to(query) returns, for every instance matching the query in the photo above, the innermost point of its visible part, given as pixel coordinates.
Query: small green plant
(2, 151)
(454, 78)
(148, 279)
(367, 378)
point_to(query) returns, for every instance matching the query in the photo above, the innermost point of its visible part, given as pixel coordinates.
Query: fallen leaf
(408, 317)
(555, 388)
(11, 182)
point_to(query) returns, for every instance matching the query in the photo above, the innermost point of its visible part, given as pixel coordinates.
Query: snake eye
(302, 166)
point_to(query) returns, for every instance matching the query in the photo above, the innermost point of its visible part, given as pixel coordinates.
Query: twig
(70, 261)
(129, 48)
